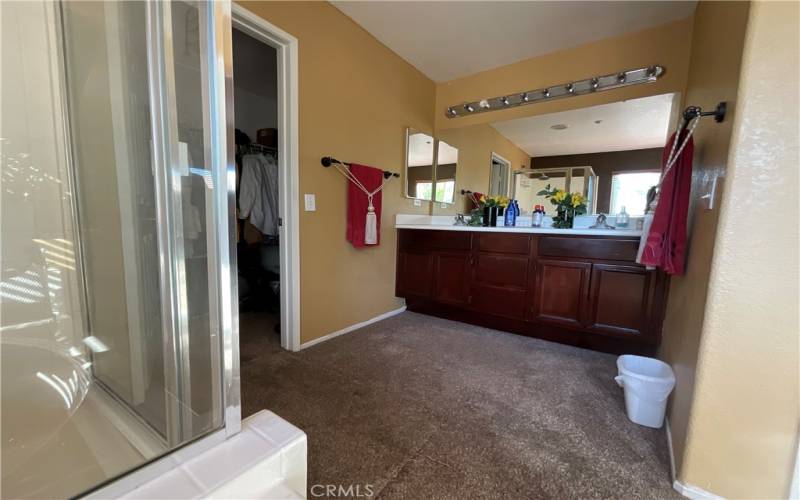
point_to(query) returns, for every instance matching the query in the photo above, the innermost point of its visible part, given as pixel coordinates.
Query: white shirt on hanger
(258, 193)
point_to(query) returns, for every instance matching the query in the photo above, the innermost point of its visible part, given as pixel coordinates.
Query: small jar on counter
(538, 216)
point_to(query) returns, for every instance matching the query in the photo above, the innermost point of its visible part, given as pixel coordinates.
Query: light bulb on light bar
(601, 83)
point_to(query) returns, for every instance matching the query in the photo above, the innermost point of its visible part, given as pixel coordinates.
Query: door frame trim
(286, 46)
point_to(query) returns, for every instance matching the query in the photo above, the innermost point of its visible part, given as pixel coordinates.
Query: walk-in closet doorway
(266, 233)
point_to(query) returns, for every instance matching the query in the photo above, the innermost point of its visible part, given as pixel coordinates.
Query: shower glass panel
(109, 309)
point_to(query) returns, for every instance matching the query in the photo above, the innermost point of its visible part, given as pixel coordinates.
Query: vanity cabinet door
(414, 274)
(620, 299)
(560, 290)
(451, 277)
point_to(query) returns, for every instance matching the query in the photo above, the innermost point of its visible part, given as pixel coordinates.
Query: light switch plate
(311, 202)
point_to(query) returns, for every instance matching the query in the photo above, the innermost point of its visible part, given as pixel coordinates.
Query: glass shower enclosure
(117, 300)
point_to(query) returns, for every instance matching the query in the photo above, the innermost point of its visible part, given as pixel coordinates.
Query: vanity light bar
(580, 87)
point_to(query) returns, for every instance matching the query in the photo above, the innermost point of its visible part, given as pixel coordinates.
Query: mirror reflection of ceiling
(420, 151)
(431, 35)
(447, 154)
(620, 126)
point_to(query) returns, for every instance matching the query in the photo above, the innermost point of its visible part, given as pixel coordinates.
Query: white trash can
(647, 383)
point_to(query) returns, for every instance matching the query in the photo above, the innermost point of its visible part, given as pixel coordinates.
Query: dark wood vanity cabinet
(580, 290)
(560, 292)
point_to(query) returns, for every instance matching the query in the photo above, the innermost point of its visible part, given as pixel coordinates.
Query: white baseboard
(687, 490)
(352, 327)
(693, 492)
(672, 472)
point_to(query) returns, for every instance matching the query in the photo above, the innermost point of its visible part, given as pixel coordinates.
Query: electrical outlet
(311, 202)
(417, 203)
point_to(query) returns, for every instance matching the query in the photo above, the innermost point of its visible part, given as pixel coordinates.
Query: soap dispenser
(622, 218)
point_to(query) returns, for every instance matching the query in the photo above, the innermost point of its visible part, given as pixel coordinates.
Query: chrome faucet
(460, 220)
(600, 223)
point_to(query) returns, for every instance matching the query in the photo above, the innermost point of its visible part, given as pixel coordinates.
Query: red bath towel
(666, 241)
(371, 178)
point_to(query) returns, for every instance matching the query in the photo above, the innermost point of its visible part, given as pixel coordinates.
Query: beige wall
(356, 99)
(742, 435)
(475, 147)
(667, 45)
(713, 76)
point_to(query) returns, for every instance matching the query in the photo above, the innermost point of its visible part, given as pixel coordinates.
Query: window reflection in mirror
(629, 190)
(446, 165)
(419, 165)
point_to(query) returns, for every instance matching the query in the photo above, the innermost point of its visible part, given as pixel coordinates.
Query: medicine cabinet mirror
(430, 168)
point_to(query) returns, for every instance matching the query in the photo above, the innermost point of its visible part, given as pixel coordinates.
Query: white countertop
(521, 229)
(445, 223)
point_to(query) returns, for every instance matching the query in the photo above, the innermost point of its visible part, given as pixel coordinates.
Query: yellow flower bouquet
(568, 205)
(494, 201)
(492, 207)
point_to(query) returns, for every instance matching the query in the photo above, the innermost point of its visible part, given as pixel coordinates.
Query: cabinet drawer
(501, 270)
(423, 239)
(589, 248)
(504, 243)
(498, 301)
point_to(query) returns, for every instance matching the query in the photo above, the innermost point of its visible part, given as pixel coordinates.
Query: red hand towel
(472, 205)
(371, 178)
(666, 241)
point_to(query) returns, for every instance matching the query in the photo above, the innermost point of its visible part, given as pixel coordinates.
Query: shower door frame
(217, 96)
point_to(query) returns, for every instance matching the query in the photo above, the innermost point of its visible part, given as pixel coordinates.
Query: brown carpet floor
(424, 408)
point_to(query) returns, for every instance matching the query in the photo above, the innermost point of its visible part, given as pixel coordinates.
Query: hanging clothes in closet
(258, 192)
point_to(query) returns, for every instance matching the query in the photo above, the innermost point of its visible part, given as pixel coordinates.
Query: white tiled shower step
(267, 460)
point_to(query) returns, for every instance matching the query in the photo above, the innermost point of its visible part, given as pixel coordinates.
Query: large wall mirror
(430, 170)
(610, 153)
(419, 165)
(445, 173)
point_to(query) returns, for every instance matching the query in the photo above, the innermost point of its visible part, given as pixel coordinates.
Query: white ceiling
(450, 39)
(633, 124)
(420, 151)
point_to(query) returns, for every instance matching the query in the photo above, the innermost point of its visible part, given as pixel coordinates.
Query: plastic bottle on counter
(510, 217)
(538, 216)
(622, 218)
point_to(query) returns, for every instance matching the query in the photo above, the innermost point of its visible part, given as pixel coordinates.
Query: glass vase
(490, 216)
(564, 219)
